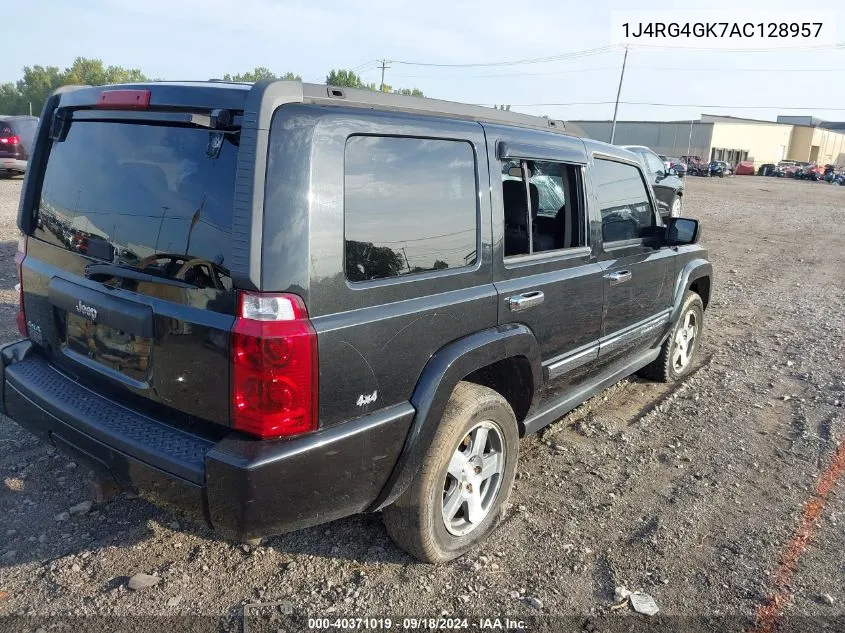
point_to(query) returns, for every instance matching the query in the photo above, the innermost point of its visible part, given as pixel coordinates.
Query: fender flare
(437, 381)
(692, 271)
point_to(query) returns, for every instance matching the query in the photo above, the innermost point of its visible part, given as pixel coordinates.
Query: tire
(673, 211)
(416, 521)
(666, 368)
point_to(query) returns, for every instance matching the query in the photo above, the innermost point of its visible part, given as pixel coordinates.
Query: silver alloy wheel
(685, 340)
(473, 478)
(676, 207)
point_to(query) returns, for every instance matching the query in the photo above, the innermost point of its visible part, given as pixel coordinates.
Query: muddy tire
(459, 495)
(677, 354)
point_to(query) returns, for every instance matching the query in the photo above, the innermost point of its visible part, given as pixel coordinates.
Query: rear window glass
(410, 206)
(141, 195)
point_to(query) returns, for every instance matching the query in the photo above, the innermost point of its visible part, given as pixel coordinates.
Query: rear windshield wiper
(102, 272)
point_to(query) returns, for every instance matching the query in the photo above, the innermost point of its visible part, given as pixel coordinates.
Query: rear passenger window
(410, 206)
(626, 212)
(548, 210)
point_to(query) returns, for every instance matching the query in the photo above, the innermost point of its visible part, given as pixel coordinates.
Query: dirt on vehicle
(716, 496)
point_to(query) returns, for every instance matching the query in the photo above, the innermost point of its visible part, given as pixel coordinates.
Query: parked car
(719, 168)
(767, 169)
(786, 169)
(814, 172)
(668, 188)
(745, 168)
(679, 166)
(274, 359)
(16, 136)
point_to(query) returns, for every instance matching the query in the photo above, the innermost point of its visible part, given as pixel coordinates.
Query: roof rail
(335, 95)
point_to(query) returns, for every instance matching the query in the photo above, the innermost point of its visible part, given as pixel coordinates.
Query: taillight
(10, 140)
(274, 366)
(19, 257)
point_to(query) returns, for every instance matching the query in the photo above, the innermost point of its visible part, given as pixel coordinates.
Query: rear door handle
(517, 303)
(618, 277)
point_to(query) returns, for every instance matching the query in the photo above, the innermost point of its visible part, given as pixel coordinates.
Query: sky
(202, 39)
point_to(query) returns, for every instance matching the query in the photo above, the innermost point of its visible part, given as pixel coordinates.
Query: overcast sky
(201, 39)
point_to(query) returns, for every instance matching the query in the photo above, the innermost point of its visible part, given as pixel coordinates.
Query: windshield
(152, 196)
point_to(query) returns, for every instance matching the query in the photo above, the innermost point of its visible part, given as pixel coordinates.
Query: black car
(16, 136)
(668, 187)
(282, 303)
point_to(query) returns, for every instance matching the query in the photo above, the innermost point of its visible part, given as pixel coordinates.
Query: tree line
(28, 94)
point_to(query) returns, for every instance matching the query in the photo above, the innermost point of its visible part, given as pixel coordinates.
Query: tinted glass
(626, 211)
(156, 197)
(410, 206)
(654, 163)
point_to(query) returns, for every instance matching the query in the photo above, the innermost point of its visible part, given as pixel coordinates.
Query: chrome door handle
(517, 303)
(618, 277)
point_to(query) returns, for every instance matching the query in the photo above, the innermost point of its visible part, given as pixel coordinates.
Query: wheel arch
(490, 358)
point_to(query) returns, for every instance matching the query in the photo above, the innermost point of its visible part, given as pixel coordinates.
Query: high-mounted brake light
(124, 100)
(20, 318)
(274, 366)
(10, 140)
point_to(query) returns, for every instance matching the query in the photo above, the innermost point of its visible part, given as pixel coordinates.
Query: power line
(669, 47)
(517, 62)
(670, 105)
(630, 68)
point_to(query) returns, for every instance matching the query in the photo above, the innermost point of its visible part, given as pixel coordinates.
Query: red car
(744, 168)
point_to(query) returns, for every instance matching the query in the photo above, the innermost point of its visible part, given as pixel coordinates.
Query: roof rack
(335, 95)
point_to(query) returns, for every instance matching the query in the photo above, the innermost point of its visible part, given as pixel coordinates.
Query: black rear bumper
(243, 487)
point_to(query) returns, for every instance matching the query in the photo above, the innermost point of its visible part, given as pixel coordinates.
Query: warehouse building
(732, 139)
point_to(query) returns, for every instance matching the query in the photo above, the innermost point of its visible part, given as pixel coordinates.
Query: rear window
(410, 206)
(141, 195)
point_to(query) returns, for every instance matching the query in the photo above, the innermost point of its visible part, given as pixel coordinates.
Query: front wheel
(676, 355)
(676, 207)
(459, 494)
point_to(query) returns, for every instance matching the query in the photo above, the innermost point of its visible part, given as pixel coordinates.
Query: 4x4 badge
(366, 398)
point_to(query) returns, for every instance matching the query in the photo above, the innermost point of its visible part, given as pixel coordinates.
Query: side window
(410, 206)
(654, 163)
(626, 211)
(548, 215)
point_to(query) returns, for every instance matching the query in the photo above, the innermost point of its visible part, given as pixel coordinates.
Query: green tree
(259, 73)
(350, 79)
(39, 81)
(411, 92)
(347, 79)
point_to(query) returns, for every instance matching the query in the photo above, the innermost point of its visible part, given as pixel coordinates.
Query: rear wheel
(677, 353)
(458, 496)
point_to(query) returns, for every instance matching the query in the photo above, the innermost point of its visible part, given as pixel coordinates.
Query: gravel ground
(690, 493)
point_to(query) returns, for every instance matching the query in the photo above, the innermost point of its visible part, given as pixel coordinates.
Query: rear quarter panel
(374, 337)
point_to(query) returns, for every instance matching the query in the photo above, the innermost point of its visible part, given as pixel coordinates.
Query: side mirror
(671, 172)
(682, 231)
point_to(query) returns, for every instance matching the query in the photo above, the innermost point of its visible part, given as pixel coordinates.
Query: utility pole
(383, 67)
(689, 144)
(618, 92)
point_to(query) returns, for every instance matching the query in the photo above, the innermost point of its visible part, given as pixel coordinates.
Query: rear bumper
(13, 164)
(242, 487)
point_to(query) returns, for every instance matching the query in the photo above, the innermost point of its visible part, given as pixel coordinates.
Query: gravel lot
(690, 493)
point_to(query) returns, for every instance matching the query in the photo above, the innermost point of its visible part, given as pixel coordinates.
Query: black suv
(668, 187)
(278, 304)
(16, 135)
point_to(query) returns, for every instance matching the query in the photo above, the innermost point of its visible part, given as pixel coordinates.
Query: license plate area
(104, 332)
(118, 350)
